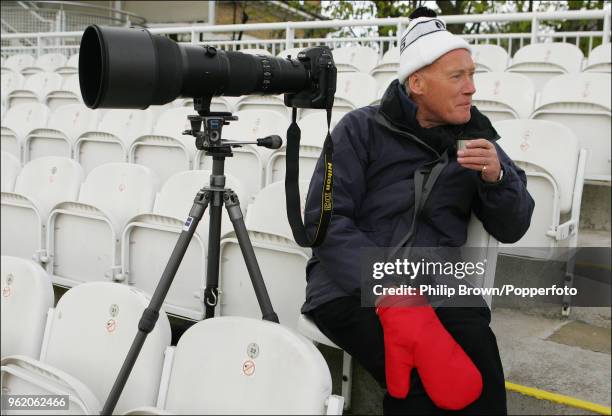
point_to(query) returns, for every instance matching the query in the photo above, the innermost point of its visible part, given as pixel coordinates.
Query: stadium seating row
(77, 348)
(112, 225)
(579, 101)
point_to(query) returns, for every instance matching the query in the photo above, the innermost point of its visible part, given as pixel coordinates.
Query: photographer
(378, 150)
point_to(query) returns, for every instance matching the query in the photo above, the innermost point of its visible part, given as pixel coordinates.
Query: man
(378, 150)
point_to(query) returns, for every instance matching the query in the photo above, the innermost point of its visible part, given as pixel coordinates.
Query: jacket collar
(397, 107)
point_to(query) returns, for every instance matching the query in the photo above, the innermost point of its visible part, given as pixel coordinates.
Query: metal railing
(60, 16)
(67, 42)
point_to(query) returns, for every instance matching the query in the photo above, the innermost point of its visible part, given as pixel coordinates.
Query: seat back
(490, 58)
(166, 151)
(268, 213)
(384, 74)
(126, 124)
(359, 89)
(600, 59)
(24, 117)
(355, 58)
(542, 61)
(173, 121)
(567, 56)
(120, 189)
(503, 95)
(391, 56)
(50, 61)
(27, 295)
(10, 170)
(73, 120)
(255, 51)
(50, 180)
(91, 331)
(18, 62)
(293, 52)
(278, 371)
(533, 145)
(43, 82)
(581, 102)
(11, 81)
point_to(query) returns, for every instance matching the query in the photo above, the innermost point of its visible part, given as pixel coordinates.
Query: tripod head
(207, 128)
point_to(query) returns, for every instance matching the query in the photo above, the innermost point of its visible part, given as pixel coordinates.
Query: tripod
(206, 128)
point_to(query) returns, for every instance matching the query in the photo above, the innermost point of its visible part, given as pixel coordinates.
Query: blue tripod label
(187, 224)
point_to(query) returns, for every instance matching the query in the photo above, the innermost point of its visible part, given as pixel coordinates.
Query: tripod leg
(151, 313)
(233, 209)
(211, 292)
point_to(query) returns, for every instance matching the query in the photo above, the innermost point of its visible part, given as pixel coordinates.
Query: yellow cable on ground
(559, 398)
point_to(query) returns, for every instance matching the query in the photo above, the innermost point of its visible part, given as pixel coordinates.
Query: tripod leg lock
(148, 320)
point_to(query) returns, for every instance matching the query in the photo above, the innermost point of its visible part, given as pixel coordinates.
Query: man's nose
(469, 87)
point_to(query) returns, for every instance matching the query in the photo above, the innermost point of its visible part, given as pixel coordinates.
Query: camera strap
(292, 190)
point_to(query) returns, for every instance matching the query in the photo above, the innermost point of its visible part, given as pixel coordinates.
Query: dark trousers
(358, 331)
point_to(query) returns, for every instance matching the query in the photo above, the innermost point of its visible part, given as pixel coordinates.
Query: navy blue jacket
(376, 152)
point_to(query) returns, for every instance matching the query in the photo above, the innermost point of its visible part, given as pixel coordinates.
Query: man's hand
(480, 155)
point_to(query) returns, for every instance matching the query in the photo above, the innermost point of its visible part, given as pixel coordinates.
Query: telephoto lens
(132, 68)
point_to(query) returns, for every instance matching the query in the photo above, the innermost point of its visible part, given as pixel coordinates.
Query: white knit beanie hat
(425, 40)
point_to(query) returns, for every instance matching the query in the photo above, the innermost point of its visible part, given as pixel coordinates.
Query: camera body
(319, 63)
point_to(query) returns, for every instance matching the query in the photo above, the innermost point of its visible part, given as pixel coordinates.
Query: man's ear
(416, 84)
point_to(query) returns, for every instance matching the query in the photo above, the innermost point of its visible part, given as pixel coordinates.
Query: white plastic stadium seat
(86, 342)
(314, 131)
(148, 240)
(58, 136)
(18, 62)
(83, 237)
(555, 181)
(353, 90)
(112, 138)
(384, 74)
(293, 52)
(18, 122)
(27, 295)
(35, 89)
(392, 56)
(70, 67)
(490, 58)
(542, 61)
(45, 63)
(600, 59)
(263, 102)
(69, 93)
(279, 372)
(10, 170)
(582, 103)
(282, 262)
(249, 162)
(10, 81)
(41, 184)
(166, 150)
(355, 59)
(255, 51)
(503, 95)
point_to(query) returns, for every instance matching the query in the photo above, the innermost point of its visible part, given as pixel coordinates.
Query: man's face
(447, 87)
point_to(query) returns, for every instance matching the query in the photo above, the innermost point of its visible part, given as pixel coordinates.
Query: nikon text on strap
(292, 190)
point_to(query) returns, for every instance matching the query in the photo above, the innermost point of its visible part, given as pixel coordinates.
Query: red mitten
(415, 337)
